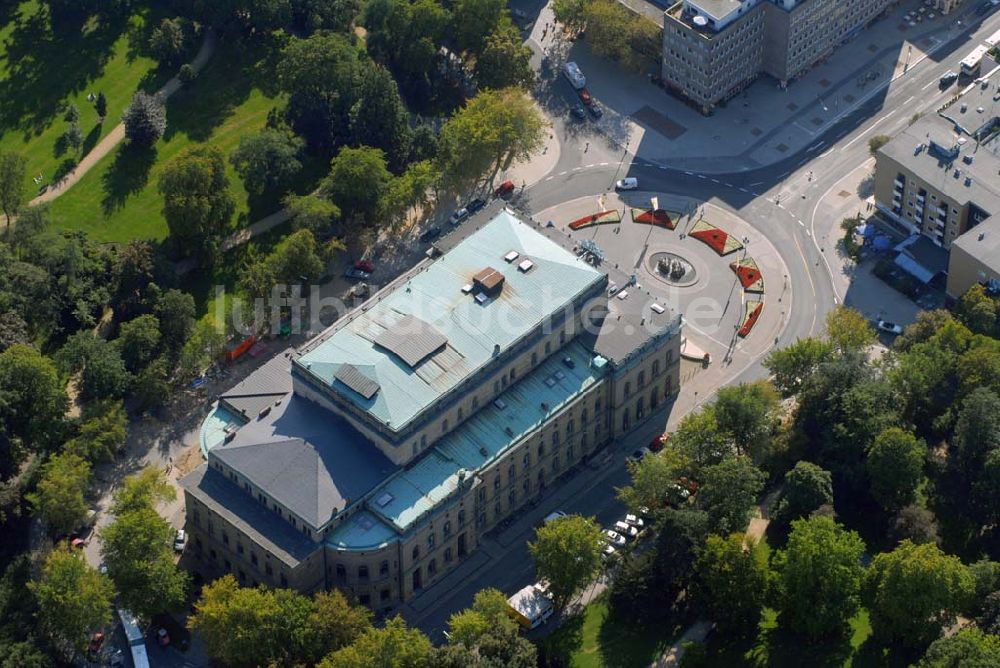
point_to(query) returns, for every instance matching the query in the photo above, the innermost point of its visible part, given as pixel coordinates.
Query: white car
(626, 530)
(609, 552)
(554, 515)
(459, 216)
(638, 455)
(179, 539)
(635, 521)
(628, 183)
(615, 538)
(889, 327)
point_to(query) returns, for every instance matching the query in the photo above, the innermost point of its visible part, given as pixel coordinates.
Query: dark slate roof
(305, 458)
(411, 339)
(263, 526)
(262, 387)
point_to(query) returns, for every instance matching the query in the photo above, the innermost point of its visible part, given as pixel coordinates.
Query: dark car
(365, 265)
(475, 205)
(578, 112)
(595, 110)
(949, 78)
(430, 234)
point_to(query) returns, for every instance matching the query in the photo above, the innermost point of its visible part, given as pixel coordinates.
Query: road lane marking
(605, 164)
(689, 173)
(908, 100)
(929, 84)
(563, 173)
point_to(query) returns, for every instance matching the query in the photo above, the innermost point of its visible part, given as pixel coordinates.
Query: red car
(504, 189)
(585, 96)
(365, 265)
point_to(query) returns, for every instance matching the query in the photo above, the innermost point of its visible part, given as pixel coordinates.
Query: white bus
(993, 40)
(972, 62)
(136, 641)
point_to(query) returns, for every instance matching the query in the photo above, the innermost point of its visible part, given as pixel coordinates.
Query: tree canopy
(731, 582)
(58, 499)
(73, 598)
(567, 553)
(197, 203)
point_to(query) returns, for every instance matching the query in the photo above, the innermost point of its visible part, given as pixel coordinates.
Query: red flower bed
(747, 274)
(601, 218)
(715, 238)
(752, 314)
(655, 217)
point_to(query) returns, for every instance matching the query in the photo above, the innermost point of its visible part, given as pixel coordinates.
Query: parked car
(575, 76)
(638, 455)
(179, 538)
(475, 205)
(635, 521)
(365, 265)
(625, 529)
(596, 111)
(628, 183)
(609, 552)
(578, 112)
(162, 636)
(356, 273)
(459, 216)
(585, 97)
(519, 15)
(615, 538)
(430, 234)
(554, 515)
(504, 189)
(889, 327)
(96, 642)
(657, 443)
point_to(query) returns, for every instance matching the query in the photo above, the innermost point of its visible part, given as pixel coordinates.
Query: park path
(117, 134)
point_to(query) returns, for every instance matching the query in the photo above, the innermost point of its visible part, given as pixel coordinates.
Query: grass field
(595, 639)
(41, 72)
(118, 200)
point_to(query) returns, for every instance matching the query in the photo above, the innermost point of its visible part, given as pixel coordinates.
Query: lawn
(596, 638)
(118, 200)
(42, 72)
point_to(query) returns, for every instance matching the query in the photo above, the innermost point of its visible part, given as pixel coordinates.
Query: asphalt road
(780, 200)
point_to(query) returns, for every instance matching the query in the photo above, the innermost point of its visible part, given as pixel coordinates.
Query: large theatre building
(374, 457)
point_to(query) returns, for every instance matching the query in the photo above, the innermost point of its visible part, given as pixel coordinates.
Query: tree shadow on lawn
(624, 643)
(557, 649)
(127, 175)
(227, 81)
(44, 67)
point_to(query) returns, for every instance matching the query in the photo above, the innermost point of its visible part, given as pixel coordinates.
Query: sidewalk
(117, 134)
(764, 124)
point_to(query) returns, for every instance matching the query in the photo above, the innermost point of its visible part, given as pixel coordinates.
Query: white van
(628, 183)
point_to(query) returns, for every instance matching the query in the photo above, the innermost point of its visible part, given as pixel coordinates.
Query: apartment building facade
(374, 458)
(713, 49)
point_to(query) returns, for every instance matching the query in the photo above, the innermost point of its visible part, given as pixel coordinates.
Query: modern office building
(375, 457)
(940, 178)
(713, 49)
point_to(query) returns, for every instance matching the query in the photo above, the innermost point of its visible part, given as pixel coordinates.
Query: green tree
(72, 114)
(313, 213)
(988, 617)
(58, 500)
(32, 398)
(168, 41)
(916, 524)
(73, 599)
(102, 432)
(700, 440)
(73, 137)
(505, 60)
(653, 479)
(138, 341)
(819, 576)
(969, 648)
(137, 548)
(357, 181)
(927, 324)
(104, 375)
(152, 387)
(244, 626)
(567, 553)
(295, 258)
(807, 487)
(407, 191)
(13, 169)
(731, 582)
(489, 610)
(392, 646)
(204, 346)
(145, 120)
(473, 20)
(495, 128)
(144, 489)
(680, 538)
(978, 311)
(877, 142)
(379, 118)
(748, 412)
(176, 312)
(268, 162)
(915, 591)
(793, 365)
(848, 330)
(896, 467)
(197, 203)
(728, 493)
(570, 13)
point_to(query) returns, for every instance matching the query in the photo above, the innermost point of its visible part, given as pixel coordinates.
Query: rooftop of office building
(413, 343)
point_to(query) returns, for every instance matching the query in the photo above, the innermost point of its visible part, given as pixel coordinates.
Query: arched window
(416, 552)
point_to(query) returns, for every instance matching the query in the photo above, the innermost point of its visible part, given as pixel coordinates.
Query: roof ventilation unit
(525, 266)
(489, 281)
(511, 256)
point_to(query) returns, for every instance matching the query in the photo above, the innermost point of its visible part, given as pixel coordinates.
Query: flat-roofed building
(376, 456)
(939, 178)
(712, 49)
